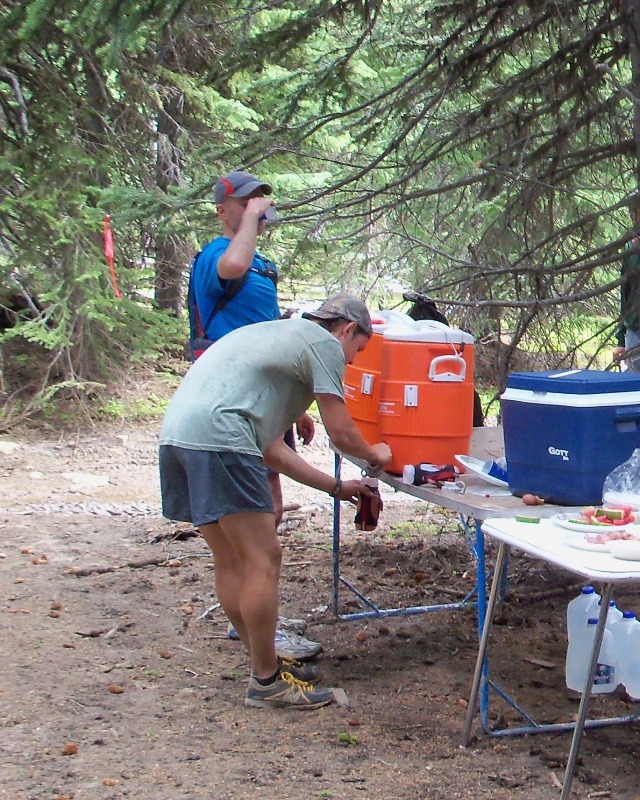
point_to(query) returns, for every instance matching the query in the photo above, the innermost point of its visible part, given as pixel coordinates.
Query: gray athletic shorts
(202, 486)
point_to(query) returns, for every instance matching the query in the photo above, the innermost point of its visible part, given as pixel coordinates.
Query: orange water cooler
(362, 376)
(426, 393)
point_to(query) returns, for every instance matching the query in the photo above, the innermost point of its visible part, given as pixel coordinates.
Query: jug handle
(449, 377)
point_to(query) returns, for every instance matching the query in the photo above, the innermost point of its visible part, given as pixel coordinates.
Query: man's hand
(381, 454)
(305, 428)
(258, 206)
(618, 353)
(242, 222)
(351, 489)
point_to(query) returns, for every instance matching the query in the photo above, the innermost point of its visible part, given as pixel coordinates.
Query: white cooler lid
(427, 331)
(381, 320)
(602, 400)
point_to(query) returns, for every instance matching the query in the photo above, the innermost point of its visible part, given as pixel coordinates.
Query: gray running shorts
(202, 486)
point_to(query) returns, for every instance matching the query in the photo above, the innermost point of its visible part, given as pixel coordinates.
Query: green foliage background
(487, 152)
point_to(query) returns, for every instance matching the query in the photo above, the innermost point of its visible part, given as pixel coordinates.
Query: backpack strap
(230, 291)
(197, 331)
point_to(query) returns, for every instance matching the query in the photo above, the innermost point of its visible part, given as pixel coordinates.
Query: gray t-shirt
(247, 389)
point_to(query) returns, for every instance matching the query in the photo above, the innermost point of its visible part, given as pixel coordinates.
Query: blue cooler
(564, 431)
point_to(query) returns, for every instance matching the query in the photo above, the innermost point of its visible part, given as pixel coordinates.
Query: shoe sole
(306, 656)
(275, 704)
(233, 635)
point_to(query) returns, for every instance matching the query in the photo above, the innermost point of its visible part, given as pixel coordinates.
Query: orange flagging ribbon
(109, 254)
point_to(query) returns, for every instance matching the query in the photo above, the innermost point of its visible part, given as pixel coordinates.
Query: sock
(268, 681)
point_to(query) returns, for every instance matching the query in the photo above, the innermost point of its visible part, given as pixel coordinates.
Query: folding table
(547, 542)
(479, 502)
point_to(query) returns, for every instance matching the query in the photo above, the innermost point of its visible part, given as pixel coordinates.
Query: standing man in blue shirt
(233, 285)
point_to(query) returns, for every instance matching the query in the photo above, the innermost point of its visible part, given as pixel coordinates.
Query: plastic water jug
(363, 376)
(621, 631)
(425, 407)
(613, 614)
(631, 657)
(579, 656)
(582, 608)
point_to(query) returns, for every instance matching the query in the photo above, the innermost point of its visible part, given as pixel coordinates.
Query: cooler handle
(366, 386)
(627, 414)
(450, 377)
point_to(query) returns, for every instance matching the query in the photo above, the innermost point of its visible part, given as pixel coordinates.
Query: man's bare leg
(276, 494)
(247, 559)
(228, 575)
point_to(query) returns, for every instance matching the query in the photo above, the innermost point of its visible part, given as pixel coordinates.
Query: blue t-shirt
(257, 301)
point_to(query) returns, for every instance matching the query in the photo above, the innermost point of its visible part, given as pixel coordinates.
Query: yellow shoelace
(288, 678)
(287, 661)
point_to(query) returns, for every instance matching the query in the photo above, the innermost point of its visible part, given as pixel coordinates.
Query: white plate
(578, 541)
(563, 521)
(625, 549)
(475, 465)
(618, 499)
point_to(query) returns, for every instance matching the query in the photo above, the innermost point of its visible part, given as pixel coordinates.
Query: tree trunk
(634, 53)
(169, 248)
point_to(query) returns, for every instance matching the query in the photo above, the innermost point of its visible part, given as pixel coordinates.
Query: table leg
(481, 595)
(481, 577)
(484, 641)
(586, 694)
(336, 541)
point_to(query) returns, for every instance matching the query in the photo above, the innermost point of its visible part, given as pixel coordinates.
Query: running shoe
(301, 672)
(298, 626)
(287, 692)
(292, 645)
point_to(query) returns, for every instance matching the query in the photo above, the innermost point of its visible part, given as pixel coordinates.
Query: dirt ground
(116, 682)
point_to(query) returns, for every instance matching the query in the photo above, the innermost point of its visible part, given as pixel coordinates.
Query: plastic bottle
(419, 474)
(582, 608)
(613, 614)
(270, 215)
(621, 630)
(579, 656)
(631, 669)
(368, 508)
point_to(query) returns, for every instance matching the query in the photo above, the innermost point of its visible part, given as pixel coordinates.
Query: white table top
(548, 542)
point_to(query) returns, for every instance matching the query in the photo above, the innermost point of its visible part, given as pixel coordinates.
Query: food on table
(532, 500)
(522, 518)
(590, 515)
(602, 537)
(612, 523)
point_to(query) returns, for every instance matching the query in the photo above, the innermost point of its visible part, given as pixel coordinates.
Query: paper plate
(563, 521)
(475, 465)
(578, 541)
(625, 549)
